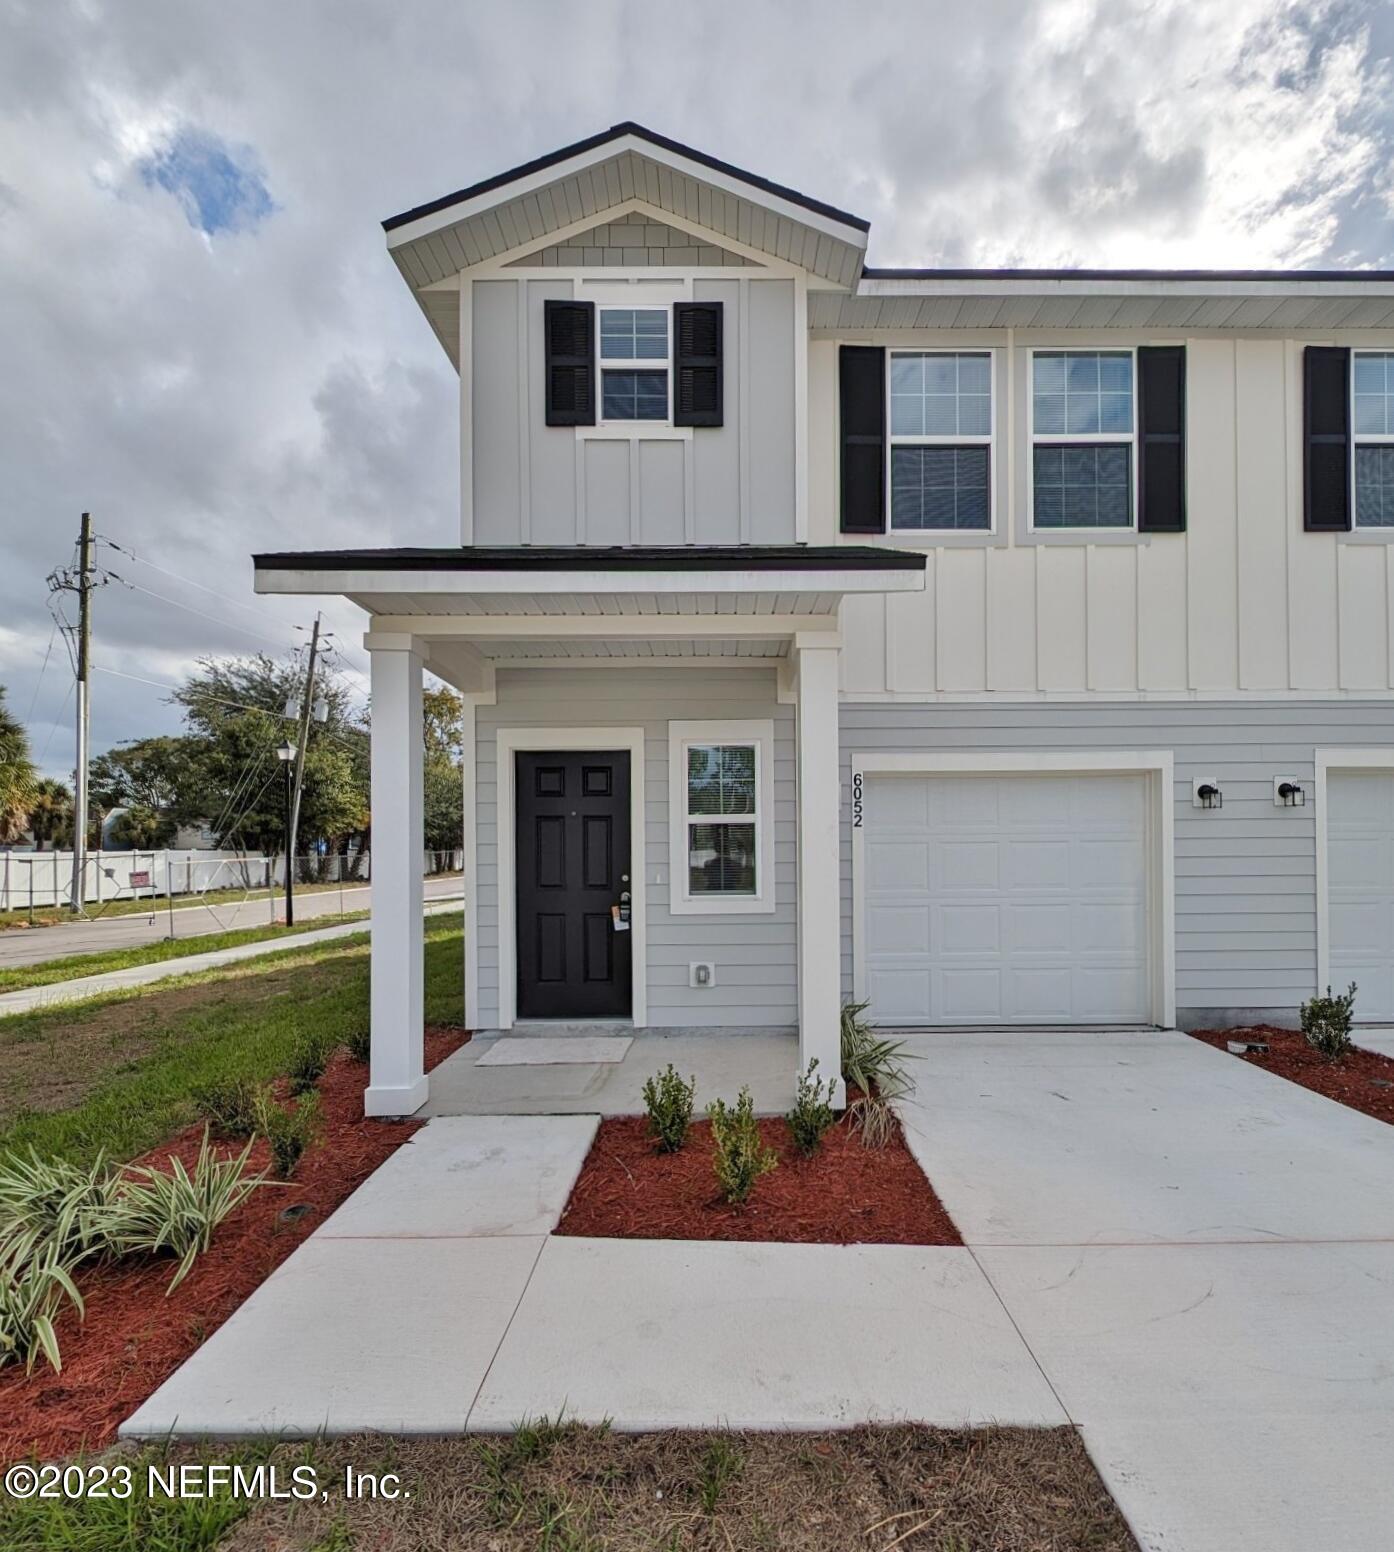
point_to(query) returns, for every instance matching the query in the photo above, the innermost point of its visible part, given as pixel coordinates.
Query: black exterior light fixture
(1208, 795)
(1288, 793)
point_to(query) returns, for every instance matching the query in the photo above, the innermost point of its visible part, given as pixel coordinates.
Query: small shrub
(1326, 1023)
(228, 1105)
(813, 1113)
(668, 1101)
(741, 1157)
(47, 1202)
(32, 1291)
(874, 1065)
(289, 1131)
(308, 1061)
(176, 1211)
(360, 1042)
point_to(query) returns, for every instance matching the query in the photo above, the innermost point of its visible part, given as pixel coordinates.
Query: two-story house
(1002, 647)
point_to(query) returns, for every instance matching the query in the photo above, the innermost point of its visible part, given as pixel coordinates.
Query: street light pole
(285, 753)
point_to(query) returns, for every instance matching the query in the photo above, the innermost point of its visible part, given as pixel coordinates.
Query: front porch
(605, 1076)
(578, 664)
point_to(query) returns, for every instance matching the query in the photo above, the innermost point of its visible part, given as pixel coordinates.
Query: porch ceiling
(633, 648)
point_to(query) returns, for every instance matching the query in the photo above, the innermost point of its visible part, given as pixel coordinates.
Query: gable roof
(614, 133)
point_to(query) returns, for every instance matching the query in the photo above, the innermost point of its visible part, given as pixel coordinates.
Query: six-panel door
(573, 843)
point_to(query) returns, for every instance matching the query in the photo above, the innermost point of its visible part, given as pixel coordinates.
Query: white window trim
(1157, 765)
(1365, 439)
(605, 364)
(761, 735)
(509, 741)
(1077, 438)
(989, 441)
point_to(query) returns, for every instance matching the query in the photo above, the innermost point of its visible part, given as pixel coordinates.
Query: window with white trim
(940, 443)
(633, 363)
(721, 793)
(1083, 439)
(1372, 389)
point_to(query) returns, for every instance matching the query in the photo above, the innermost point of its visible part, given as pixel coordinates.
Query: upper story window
(940, 440)
(634, 361)
(1083, 453)
(1372, 384)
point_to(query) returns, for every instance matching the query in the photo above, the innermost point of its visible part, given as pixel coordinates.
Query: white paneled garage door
(1360, 887)
(1016, 899)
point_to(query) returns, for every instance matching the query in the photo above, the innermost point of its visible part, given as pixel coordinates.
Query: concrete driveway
(1200, 1256)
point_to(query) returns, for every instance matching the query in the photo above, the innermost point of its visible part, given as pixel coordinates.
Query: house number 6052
(856, 800)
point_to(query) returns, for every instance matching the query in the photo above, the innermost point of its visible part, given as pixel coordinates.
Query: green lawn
(49, 971)
(116, 1073)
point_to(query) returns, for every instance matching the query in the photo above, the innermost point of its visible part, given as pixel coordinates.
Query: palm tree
(17, 776)
(51, 814)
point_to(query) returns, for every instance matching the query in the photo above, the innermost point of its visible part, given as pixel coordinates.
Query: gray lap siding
(755, 955)
(1245, 874)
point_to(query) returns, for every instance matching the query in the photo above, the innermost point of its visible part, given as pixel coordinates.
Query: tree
(142, 829)
(18, 777)
(442, 715)
(443, 805)
(149, 773)
(51, 815)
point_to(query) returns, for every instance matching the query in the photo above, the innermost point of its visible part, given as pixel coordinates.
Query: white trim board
(1328, 760)
(1155, 764)
(512, 740)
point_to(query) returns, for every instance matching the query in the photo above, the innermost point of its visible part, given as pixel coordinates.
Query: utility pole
(84, 655)
(306, 708)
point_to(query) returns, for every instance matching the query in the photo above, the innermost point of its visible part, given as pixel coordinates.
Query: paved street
(29, 946)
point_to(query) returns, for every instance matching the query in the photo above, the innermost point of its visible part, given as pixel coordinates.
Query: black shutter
(1326, 439)
(1161, 381)
(697, 368)
(861, 372)
(570, 333)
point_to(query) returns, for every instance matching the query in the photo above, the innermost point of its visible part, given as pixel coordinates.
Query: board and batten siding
(531, 483)
(1243, 602)
(755, 955)
(1245, 874)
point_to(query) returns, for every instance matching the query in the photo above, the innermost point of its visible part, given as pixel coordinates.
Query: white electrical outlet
(701, 973)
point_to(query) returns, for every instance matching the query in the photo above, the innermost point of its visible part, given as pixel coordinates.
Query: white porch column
(820, 956)
(398, 1082)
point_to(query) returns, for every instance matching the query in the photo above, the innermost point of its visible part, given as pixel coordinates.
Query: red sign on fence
(140, 880)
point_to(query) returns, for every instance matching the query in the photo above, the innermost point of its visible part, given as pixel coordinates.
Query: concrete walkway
(1200, 1255)
(1187, 1257)
(85, 986)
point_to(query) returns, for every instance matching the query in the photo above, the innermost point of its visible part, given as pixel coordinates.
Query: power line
(179, 577)
(203, 614)
(38, 683)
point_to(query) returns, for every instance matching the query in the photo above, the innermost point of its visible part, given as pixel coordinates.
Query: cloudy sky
(204, 342)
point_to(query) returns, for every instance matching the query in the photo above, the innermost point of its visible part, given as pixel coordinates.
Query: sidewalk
(59, 992)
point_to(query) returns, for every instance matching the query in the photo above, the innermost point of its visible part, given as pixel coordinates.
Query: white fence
(43, 879)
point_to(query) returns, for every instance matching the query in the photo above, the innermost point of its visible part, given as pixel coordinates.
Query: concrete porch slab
(1148, 1135)
(554, 1050)
(471, 1175)
(1236, 1398)
(766, 1063)
(350, 1335)
(674, 1334)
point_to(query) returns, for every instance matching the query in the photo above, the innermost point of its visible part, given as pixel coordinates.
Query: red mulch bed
(844, 1194)
(134, 1337)
(1364, 1080)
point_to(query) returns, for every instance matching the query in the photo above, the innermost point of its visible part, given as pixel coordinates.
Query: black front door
(573, 870)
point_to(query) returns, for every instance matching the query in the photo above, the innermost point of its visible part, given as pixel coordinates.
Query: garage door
(1360, 887)
(1007, 899)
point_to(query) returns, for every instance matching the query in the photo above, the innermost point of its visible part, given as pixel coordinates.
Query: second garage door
(1360, 862)
(1015, 899)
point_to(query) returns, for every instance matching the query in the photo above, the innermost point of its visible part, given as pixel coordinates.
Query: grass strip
(118, 1072)
(50, 972)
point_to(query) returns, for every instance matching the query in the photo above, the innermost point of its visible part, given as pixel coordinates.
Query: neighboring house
(1005, 647)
